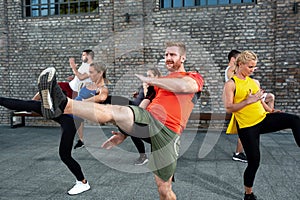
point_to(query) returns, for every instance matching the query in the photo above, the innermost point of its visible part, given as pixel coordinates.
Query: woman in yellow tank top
(243, 98)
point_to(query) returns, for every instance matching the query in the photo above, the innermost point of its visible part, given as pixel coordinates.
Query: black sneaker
(141, 160)
(250, 197)
(52, 97)
(240, 157)
(79, 144)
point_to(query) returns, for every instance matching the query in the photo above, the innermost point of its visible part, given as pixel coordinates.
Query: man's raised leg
(121, 115)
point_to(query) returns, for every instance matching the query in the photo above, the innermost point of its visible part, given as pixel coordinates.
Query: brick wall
(269, 28)
(287, 59)
(3, 48)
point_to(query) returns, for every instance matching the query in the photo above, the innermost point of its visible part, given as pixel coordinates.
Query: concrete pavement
(31, 168)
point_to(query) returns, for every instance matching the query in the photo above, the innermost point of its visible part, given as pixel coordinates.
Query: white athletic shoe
(79, 187)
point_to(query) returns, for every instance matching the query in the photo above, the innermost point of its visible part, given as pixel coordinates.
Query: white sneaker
(79, 187)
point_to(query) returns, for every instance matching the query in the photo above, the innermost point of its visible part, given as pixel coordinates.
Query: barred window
(39, 8)
(191, 3)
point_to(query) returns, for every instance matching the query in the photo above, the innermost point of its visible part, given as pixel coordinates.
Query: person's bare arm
(99, 98)
(73, 65)
(265, 105)
(114, 140)
(79, 75)
(144, 103)
(230, 72)
(69, 78)
(228, 95)
(185, 84)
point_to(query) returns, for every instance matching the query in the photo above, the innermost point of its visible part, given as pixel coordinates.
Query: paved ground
(31, 169)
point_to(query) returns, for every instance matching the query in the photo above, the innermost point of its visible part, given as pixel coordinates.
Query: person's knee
(296, 118)
(64, 156)
(253, 162)
(164, 190)
(120, 111)
(123, 117)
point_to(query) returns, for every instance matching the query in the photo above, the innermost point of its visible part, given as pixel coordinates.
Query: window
(39, 8)
(189, 3)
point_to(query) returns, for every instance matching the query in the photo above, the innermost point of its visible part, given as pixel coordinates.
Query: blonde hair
(100, 67)
(245, 57)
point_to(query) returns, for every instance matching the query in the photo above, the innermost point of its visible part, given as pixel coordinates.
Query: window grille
(193, 3)
(40, 8)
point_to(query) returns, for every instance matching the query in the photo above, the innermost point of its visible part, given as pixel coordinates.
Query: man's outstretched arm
(184, 84)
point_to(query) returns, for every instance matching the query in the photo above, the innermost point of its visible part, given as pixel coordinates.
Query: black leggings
(68, 129)
(250, 139)
(139, 144)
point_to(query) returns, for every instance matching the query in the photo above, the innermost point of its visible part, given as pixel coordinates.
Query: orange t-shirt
(174, 109)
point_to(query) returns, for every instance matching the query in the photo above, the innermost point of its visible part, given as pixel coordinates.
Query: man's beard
(175, 67)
